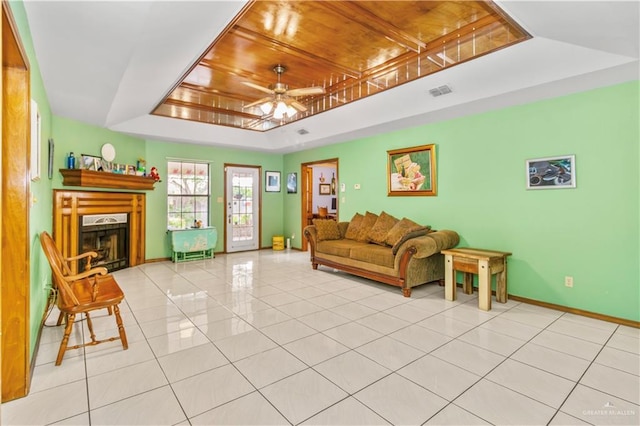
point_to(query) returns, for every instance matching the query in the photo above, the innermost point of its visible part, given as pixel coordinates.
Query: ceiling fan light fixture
(291, 111)
(281, 110)
(266, 107)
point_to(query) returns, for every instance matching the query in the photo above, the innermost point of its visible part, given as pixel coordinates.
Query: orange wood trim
(208, 108)
(68, 206)
(157, 259)
(15, 200)
(305, 187)
(581, 312)
(595, 315)
(90, 178)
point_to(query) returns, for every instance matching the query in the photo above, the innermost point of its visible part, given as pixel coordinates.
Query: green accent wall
(158, 153)
(590, 232)
(80, 138)
(41, 194)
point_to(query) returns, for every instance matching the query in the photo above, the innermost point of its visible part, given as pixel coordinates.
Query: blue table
(193, 243)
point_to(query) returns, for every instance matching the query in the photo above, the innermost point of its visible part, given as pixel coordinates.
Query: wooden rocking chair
(82, 293)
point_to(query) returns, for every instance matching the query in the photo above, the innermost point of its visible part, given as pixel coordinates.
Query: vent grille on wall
(303, 131)
(439, 91)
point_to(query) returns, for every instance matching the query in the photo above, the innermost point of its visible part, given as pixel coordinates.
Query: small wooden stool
(476, 261)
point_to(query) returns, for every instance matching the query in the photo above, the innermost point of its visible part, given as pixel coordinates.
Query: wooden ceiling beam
(293, 51)
(215, 92)
(370, 20)
(210, 108)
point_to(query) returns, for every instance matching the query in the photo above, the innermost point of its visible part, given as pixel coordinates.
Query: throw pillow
(354, 227)
(378, 233)
(402, 231)
(367, 223)
(327, 229)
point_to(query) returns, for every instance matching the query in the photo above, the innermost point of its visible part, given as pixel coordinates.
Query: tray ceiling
(350, 50)
(111, 64)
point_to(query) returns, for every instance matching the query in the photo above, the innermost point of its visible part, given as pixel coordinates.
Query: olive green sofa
(389, 253)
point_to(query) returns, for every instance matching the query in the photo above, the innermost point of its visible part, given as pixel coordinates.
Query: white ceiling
(110, 63)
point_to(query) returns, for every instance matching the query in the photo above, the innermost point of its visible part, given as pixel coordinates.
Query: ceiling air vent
(303, 131)
(439, 91)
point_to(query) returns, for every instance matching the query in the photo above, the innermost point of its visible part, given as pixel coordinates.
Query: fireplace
(107, 235)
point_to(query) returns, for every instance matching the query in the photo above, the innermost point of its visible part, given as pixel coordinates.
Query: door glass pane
(242, 207)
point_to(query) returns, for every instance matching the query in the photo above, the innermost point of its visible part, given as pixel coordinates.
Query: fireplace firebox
(107, 235)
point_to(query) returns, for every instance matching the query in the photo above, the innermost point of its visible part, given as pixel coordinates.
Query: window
(187, 194)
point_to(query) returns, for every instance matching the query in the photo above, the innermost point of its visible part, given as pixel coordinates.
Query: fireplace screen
(108, 236)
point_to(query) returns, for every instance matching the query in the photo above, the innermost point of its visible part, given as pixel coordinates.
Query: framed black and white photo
(272, 181)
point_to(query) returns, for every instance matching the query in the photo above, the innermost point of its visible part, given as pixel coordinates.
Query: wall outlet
(568, 281)
(293, 236)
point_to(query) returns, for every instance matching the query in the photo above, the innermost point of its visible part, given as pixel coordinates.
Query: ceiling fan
(281, 96)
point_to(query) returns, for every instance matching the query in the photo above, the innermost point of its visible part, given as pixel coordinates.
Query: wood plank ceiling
(352, 49)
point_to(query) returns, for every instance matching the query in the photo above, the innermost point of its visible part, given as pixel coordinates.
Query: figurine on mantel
(153, 174)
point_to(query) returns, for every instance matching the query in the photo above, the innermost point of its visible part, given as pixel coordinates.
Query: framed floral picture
(412, 171)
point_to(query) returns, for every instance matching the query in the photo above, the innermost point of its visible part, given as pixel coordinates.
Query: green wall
(80, 138)
(590, 232)
(157, 153)
(41, 195)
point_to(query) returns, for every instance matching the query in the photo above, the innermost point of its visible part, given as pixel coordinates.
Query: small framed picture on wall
(272, 181)
(325, 189)
(292, 183)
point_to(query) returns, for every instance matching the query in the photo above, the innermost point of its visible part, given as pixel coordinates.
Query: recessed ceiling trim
(324, 45)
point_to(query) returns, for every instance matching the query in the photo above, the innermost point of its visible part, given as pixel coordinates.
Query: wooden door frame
(306, 176)
(14, 206)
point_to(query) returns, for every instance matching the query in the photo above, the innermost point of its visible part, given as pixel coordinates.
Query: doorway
(319, 184)
(242, 201)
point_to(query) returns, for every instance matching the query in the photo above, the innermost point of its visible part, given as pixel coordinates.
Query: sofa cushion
(367, 223)
(327, 229)
(354, 227)
(340, 248)
(402, 231)
(378, 233)
(371, 253)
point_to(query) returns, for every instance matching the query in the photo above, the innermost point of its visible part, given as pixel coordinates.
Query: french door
(242, 197)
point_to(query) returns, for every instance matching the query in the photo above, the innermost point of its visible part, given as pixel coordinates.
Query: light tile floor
(261, 338)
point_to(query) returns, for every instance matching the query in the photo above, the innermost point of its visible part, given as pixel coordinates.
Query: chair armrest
(100, 270)
(82, 256)
(90, 254)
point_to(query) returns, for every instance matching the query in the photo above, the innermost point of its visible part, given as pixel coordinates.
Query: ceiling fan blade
(305, 91)
(257, 87)
(258, 102)
(297, 105)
